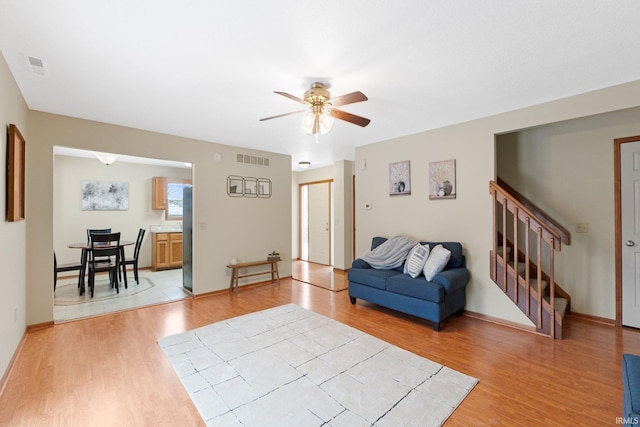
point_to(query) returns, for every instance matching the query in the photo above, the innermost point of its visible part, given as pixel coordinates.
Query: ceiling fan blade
(286, 95)
(351, 118)
(282, 115)
(349, 98)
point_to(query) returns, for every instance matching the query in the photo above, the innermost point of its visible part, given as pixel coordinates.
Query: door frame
(300, 185)
(617, 143)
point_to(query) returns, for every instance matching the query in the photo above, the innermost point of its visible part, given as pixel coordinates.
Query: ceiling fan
(321, 109)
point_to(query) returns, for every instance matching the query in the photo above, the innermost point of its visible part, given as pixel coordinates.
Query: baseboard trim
(499, 321)
(593, 319)
(240, 287)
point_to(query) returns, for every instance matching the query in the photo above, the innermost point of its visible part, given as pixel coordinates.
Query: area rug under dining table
(288, 366)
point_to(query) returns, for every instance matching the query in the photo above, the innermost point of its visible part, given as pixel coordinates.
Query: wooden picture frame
(16, 146)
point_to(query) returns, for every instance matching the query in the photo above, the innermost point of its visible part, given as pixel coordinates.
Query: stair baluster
(544, 299)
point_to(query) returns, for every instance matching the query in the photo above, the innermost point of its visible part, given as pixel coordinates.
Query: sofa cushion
(371, 276)
(377, 241)
(419, 288)
(438, 258)
(415, 260)
(457, 259)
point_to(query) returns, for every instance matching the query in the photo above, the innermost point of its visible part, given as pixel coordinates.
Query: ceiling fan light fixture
(304, 165)
(106, 158)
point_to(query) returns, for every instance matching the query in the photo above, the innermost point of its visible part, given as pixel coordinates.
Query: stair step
(533, 283)
(508, 251)
(521, 267)
(560, 304)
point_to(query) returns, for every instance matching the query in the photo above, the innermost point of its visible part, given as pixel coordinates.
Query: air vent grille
(252, 160)
(37, 65)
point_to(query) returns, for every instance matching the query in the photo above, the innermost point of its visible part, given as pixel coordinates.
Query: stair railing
(534, 222)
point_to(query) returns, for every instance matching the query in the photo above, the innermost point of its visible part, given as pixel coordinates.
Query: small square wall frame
(250, 187)
(235, 186)
(264, 187)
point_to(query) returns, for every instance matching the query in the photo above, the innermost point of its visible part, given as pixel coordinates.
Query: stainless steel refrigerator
(187, 237)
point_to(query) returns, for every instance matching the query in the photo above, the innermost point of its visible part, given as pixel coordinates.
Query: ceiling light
(318, 121)
(106, 158)
(304, 165)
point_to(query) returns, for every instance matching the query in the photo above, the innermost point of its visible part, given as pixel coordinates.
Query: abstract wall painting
(105, 196)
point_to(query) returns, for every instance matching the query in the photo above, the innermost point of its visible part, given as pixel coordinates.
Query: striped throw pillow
(416, 260)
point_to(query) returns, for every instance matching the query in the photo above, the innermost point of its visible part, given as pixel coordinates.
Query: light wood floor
(319, 275)
(109, 370)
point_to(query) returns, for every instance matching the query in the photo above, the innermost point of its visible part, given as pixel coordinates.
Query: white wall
(225, 227)
(70, 221)
(13, 247)
(466, 219)
(567, 170)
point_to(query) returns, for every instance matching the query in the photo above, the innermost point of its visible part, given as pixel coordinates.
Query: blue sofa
(435, 301)
(631, 388)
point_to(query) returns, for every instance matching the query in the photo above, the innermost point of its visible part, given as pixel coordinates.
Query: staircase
(525, 241)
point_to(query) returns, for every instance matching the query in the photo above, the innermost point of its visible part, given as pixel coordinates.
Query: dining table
(86, 247)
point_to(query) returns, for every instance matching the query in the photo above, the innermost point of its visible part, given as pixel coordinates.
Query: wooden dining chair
(59, 268)
(91, 231)
(136, 253)
(104, 256)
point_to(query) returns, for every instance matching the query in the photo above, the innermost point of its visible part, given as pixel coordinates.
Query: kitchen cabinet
(166, 251)
(159, 193)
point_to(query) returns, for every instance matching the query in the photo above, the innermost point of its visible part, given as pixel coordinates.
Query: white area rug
(288, 366)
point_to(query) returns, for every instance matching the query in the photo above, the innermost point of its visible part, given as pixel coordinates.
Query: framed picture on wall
(442, 180)
(400, 178)
(15, 174)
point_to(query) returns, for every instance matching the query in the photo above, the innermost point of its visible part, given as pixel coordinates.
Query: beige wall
(13, 247)
(468, 217)
(70, 221)
(567, 170)
(225, 227)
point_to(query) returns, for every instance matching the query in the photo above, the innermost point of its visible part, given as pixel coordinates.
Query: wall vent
(252, 160)
(37, 65)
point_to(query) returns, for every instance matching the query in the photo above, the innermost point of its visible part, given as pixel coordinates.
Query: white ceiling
(207, 69)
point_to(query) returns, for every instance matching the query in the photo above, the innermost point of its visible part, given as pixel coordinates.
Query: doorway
(316, 222)
(72, 167)
(627, 207)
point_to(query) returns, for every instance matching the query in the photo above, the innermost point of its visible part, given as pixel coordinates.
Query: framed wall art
(442, 180)
(235, 186)
(105, 196)
(400, 178)
(15, 174)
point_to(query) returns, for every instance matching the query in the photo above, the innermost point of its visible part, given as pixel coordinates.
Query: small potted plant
(273, 256)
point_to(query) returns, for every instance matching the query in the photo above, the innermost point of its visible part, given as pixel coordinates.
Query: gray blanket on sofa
(390, 254)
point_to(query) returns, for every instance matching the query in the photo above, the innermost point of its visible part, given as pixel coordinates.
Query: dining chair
(136, 253)
(59, 268)
(103, 247)
(91, 231)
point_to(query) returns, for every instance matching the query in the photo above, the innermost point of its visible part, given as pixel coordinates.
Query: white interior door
(319, 213)
(630, 201)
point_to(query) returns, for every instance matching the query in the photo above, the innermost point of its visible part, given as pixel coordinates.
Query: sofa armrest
(452, 279)
(360, 263)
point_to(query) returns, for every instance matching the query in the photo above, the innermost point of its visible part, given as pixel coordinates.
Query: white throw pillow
(416, 261)
(438, 258)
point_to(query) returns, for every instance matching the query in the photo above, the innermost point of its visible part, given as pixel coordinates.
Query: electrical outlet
(582, 227)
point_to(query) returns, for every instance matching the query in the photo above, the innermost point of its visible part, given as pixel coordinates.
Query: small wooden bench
(235, 270)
